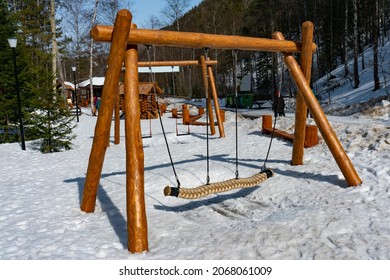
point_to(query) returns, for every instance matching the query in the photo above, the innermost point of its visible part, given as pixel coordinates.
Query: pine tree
(8, 111)
(45, 112)
(51, 118)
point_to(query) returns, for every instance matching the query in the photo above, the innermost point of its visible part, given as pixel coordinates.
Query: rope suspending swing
(151, 77)
(224, 186)
(206, 52)
(264, 167)
(235, 52)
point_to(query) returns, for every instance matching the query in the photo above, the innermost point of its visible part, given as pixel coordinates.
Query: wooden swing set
(124, 38)
(207, 74)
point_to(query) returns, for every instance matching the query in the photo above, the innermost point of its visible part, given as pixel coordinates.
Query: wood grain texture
(301, 108)
(137, 229)
(214, 93)
(103, 123)
(203, 64)
(103, 33)
(322, 122)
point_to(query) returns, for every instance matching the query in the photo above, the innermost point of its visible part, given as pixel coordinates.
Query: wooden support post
(103, 123)
(163, 108)
(117, 120)
(311, 136)
(174, 113)
(216, 103)
(222, 113)
(208, 99)
(266, 123)
(319, 117)
(137, 230)
(301, 108)
(185, 114)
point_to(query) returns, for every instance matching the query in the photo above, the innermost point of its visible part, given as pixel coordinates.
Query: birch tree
(77, 27)
(54, 48)
(345, 42)
(91, 57)
(174, 10)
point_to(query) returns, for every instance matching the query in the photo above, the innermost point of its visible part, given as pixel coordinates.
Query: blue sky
(143, 9)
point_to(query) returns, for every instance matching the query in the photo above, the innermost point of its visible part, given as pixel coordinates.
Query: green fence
(243, 101)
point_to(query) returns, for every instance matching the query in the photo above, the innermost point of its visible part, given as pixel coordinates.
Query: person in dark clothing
(278, 105)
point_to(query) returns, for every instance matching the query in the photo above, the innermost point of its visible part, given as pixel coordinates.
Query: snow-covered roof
(96, 81)
(159, 69)
(69, 85)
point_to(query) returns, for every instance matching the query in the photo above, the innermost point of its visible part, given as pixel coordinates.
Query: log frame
(123, 48)
(319, 117)
(103, 33)
(301, 108)
(203, 63)
(135, 194)
(103, 123)
(215, 99)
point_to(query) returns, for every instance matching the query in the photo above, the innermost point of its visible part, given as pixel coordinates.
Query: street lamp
(75, 93)
(12, 44)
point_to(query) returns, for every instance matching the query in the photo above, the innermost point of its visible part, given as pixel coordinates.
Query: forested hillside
(343, 29)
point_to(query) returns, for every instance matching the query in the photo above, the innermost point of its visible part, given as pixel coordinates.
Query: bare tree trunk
(331, 35)
(54, 49)
(174, 10)
(383, 21)
(346, 71)
(356, 44)
(274, 55)
(91, 59)
(375, 32)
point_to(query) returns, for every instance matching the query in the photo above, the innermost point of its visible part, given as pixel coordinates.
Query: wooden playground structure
(124, 38)
(148, 92)
(209, 82)
(311, 132)
(148, 100)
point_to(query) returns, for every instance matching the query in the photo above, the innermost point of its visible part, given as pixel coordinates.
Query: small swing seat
(217, 187)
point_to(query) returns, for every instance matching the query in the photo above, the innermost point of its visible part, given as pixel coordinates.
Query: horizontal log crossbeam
(174, 63)
(103, 33)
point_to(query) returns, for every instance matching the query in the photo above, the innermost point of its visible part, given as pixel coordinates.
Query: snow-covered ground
(303, 212)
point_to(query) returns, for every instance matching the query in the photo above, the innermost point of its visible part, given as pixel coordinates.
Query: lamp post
(75, 93)
(12, 44)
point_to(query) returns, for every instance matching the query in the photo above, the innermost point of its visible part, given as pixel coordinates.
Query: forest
(53, 36)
